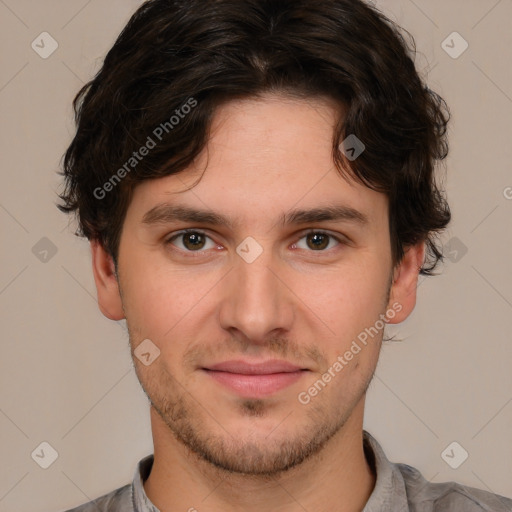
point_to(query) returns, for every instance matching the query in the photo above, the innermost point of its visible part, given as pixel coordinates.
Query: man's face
(204, 298)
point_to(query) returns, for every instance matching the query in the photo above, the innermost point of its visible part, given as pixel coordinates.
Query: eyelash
(199, 253)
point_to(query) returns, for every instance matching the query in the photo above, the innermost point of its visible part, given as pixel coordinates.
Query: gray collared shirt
(398, 488)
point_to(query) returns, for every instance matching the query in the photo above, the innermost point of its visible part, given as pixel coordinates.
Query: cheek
(161, 301)
(345, 300)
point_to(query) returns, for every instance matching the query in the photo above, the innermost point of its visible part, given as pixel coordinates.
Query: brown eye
(192, 241)
(318, 240)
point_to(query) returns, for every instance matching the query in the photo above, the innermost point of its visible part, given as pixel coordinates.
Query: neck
(337, 478)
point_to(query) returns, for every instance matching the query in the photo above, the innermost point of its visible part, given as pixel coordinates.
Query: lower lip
(255, 386)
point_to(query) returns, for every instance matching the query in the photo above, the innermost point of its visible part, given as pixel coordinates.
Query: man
(256, 178)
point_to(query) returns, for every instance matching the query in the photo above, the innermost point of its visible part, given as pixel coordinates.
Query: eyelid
(337, 236)
(169, 239)
(341, 239)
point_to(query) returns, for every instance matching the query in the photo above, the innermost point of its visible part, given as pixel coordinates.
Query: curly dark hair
(174, 54)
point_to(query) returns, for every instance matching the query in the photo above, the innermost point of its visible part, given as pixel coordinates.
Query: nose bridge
(257, 301)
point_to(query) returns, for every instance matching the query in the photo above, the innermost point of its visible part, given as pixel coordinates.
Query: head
(246, 111)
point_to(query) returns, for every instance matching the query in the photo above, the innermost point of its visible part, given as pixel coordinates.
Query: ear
(405, 282)
(109, 297)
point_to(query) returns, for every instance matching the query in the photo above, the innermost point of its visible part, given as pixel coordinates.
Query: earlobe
(405, 281)
(107, 286)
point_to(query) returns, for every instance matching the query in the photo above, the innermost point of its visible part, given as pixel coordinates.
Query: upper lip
(261, 368)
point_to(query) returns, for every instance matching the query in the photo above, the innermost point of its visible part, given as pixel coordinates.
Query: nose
(257, 301)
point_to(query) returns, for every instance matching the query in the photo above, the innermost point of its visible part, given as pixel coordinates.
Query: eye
(192, 240)
(318, 240)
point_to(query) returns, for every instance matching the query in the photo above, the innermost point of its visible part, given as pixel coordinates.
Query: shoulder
(119, 500)
(448, 496)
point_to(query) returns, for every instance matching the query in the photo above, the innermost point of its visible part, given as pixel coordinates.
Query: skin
(215, 450)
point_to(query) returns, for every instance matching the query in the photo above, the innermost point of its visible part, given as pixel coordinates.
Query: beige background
(66, 374)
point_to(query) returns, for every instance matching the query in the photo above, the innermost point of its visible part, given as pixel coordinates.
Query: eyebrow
(167, 213)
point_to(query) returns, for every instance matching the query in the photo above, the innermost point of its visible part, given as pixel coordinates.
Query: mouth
(255, 380)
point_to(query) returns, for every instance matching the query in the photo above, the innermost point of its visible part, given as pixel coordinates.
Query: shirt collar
(389, 494)
(140, 500)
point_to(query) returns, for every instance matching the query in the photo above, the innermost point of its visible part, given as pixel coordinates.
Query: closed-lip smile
(255, 379)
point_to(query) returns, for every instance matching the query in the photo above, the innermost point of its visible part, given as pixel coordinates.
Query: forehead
(269, 158)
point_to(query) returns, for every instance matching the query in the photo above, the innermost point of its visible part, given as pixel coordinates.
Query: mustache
(202, 353)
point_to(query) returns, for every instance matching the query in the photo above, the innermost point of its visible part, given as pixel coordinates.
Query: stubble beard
(264, 457)
(213, 444)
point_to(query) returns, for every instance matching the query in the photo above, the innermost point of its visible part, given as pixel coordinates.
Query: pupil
(315, 236)
(194, 238)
